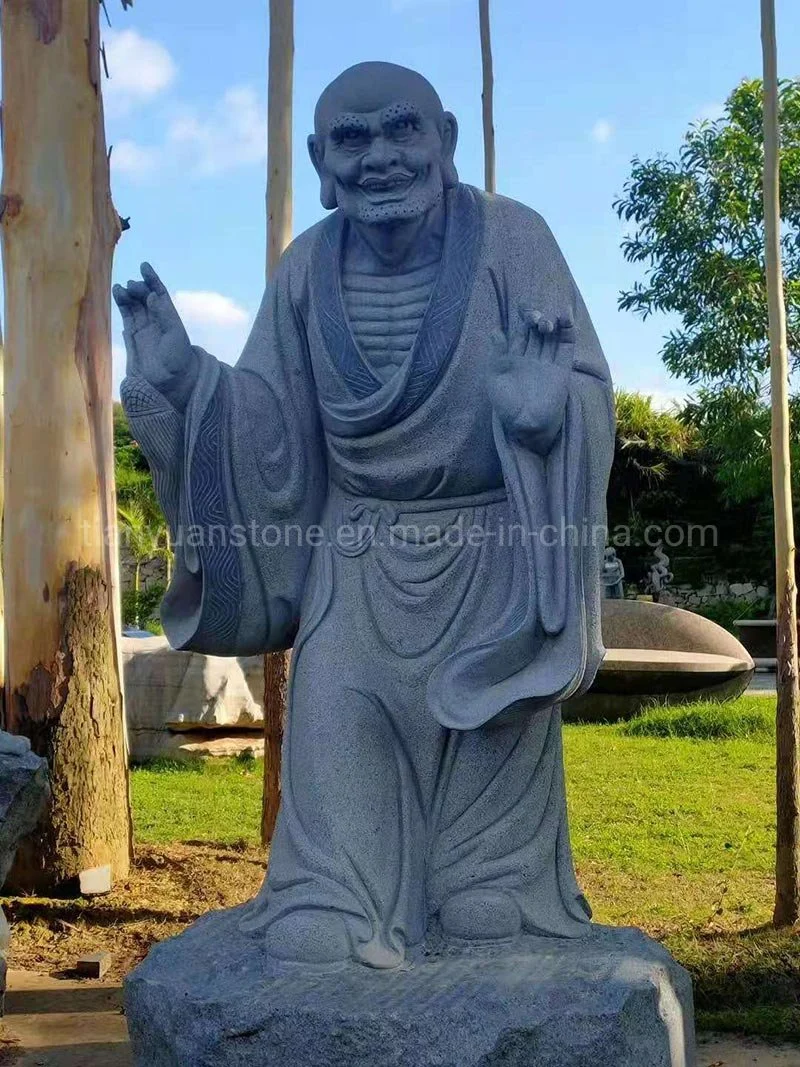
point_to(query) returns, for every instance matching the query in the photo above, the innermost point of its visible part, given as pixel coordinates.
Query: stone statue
(397, 480)
(613, 575)
(659, 576)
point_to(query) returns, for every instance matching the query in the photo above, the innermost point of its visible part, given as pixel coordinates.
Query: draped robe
(439, 581)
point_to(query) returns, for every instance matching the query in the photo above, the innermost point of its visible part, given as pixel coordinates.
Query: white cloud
(139, 69)
(134, 160)
(201, 308)
(233, 133)
(665, 399)
(710, 112)
(602, 131)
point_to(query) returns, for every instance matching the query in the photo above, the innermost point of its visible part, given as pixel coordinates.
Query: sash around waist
(369, 514)
(363, 503)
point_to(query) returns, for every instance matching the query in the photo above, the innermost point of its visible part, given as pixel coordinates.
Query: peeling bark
(787, 860)
(69, 708)
(59, 229)
(47, 16)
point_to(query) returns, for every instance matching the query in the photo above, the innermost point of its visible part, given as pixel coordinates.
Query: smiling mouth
(393, 183)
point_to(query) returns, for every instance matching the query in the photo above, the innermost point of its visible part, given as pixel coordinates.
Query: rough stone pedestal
(210, 998)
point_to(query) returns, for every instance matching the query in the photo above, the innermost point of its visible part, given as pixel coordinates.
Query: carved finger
(138, 290)
(566, 339)
(123, 302)
(500, 351)
(535, 339)
(152, 280)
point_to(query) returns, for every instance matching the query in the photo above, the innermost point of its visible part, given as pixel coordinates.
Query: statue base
(211, 998)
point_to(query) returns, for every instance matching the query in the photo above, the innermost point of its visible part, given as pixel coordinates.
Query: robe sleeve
(242, 481)
(551, 649)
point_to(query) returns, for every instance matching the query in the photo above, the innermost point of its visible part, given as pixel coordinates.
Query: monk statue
(403, 479)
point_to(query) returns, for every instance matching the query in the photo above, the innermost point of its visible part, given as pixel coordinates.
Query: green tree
(648, 442)
(699, 230)
(143, 529)
(734, 425)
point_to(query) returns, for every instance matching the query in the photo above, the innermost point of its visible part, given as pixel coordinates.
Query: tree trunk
(59, 229)
(787, 896)
(487, 96)
(279, 136)
(137, 582)
(274, 705)
(168, 555)
(279, 234)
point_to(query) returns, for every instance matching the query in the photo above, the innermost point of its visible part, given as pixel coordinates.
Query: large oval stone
(663, 654)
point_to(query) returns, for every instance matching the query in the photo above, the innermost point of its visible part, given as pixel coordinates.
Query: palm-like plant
(648, 443)
(142, 537)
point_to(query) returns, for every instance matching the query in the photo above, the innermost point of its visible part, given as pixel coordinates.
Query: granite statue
(421, 411)
(613, 575)
(404, 479)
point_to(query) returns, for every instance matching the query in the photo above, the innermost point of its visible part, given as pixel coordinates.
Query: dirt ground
(169, 886)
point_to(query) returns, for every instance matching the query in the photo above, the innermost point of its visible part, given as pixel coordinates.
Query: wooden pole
(279, 234)
(59, 230)
(279, 135)
(787, 896)
(487, 96)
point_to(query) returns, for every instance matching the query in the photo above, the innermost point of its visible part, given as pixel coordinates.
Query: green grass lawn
(671, 833)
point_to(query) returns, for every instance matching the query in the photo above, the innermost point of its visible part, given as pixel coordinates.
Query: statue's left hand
(529, 383)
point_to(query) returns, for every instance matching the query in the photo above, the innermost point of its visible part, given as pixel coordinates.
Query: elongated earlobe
(449, 174)
(449, 142)
(327, 186)
(327, 192)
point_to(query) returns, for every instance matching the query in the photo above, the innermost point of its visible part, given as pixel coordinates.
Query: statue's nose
(381, 155)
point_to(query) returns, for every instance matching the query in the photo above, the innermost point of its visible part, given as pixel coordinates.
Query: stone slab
(170, 691)
(211, 998)
(655, 660)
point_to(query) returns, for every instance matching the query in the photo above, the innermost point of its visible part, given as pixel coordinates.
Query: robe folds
(438, 580)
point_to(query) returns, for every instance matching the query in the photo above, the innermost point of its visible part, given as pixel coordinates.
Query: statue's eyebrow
(402, 110)
(348, 121)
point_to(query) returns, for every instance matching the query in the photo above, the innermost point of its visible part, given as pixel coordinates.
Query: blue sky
(581, 86)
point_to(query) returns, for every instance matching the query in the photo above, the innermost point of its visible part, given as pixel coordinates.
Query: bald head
(382, 144)
(369, 87)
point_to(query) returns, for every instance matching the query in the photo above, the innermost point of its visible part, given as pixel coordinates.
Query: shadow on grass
(746, 981)
(52, 912)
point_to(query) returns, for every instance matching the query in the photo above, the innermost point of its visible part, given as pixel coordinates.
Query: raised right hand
(157, 345)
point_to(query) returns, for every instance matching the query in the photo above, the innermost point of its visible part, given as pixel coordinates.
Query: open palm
(156, 343)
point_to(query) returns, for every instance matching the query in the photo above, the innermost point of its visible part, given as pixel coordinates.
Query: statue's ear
(327, 186)
(449, 142)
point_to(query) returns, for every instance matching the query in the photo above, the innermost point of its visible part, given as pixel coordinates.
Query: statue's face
(382, 156)
(385, 164)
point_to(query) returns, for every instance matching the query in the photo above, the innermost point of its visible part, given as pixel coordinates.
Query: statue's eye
(352, 135)
(402, 126)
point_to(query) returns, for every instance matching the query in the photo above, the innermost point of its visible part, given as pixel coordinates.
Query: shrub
(144, 605)
(726, 612)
